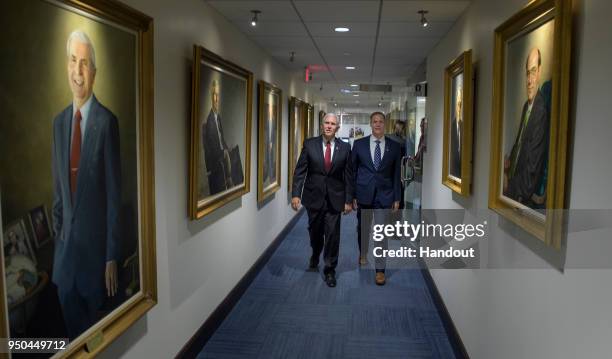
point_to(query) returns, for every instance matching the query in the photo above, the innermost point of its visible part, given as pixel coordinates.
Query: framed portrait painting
(220, 132)
(269, 140)
(310, 121)
(297, 134)
(76, 135)
(457, 139)
(16, 242)
(529, 133)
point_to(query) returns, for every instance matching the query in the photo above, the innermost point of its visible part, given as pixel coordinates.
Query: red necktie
(75, 152)
(327, 157)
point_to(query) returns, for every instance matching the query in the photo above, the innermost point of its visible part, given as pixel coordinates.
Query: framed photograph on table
(76, 137)
(16, 242)
(269, 140)
(529, 133)
(221, 105)
(457, 139)
(40, 224)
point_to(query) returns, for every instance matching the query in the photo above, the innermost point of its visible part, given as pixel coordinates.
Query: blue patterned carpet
(288, 312)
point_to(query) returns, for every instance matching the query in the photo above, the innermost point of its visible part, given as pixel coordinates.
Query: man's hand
(295, 203)
(355, 206)
(111, 278)
(347, 208)
(395, 206)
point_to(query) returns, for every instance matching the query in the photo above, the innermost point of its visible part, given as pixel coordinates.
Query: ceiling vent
(375, 88)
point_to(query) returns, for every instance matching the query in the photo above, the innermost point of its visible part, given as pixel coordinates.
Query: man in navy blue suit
(376, 161)
(86, 194)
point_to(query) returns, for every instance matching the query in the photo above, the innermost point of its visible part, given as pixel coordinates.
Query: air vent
(375, 88)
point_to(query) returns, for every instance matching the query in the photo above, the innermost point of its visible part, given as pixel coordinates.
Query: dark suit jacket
(86, 231)
(384, 183)
(317, 184)
(213, 154)
(455, 150)
(533, 152)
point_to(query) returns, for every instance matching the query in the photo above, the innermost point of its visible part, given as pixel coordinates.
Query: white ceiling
(306, 27)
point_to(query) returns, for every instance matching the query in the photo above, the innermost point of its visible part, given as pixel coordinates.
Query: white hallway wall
(199, 262)
(529, 313)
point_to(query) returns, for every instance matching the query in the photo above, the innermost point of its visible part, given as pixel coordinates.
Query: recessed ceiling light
(347, 54)
(342, 29)
(350, 67)
(354, 85)
(356, 95)
(254, 20)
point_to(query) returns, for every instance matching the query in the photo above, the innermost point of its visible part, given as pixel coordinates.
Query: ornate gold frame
(200, 54)
(293, 101)
(549, 229)
(462, 64)
(100, 335)
(263, 89)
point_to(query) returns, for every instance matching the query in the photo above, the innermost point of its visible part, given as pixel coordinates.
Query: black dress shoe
(330, 280)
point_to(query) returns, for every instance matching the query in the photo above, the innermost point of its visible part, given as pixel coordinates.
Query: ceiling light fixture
(254, 20)
(354, 85)
(342, 29)
(424, 22)
(356, 95)
(350, 67)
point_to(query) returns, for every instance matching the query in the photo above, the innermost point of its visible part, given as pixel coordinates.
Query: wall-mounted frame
(222, 95)
(98, 59)
(529, 133)
(270, 119)
(310, 121)
(321, 116)
(458, 105)
(297, 134)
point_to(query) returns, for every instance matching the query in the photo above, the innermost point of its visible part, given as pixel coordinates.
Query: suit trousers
(366, 214)
(324, 231)
(79, 312)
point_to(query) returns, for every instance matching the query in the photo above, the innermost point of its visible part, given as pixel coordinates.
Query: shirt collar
(374, 139)
(84, 109)
(332, 141)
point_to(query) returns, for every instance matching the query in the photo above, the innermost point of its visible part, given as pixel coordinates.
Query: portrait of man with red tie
(86, 194)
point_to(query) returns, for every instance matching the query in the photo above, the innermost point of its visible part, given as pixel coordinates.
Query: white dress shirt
(333, 146)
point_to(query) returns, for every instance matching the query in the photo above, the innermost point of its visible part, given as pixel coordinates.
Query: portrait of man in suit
(270, 128)
(216, 152)
(524, 166)
(456, 129)
(86, 194)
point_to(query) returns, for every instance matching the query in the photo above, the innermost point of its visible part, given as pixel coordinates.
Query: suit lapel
(336, 153)
(319, 151)
(91, 131)
(369, 153)
(386, 152)
(65, 147)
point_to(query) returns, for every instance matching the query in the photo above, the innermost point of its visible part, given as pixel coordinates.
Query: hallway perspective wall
(199, 262)
(529, 313)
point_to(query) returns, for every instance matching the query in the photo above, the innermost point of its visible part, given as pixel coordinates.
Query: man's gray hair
(82, 37)
(332, 114)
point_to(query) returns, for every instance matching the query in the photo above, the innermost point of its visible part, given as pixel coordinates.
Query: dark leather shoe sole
(330, 281)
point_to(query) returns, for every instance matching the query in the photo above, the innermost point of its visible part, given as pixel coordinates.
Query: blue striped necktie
(377, 156)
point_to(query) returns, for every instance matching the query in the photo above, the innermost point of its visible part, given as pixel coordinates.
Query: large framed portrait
(529, 133)
(458, 107)
(269, 140)
(297, 134)
(220, 132)
(76, 135)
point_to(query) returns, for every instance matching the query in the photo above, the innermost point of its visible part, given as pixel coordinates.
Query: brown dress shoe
(380, 278)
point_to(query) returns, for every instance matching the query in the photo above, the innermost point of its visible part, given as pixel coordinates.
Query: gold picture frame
(310, 120)
(218, 173)
(98, 19)
(270, 121)
(527, 184)
(297, 134)
(457, 138)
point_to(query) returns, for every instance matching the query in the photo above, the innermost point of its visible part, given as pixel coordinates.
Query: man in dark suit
(322, 181)
(87, 194)
(524, 169)
(456, 132)
(216, 152)
(377, 163)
